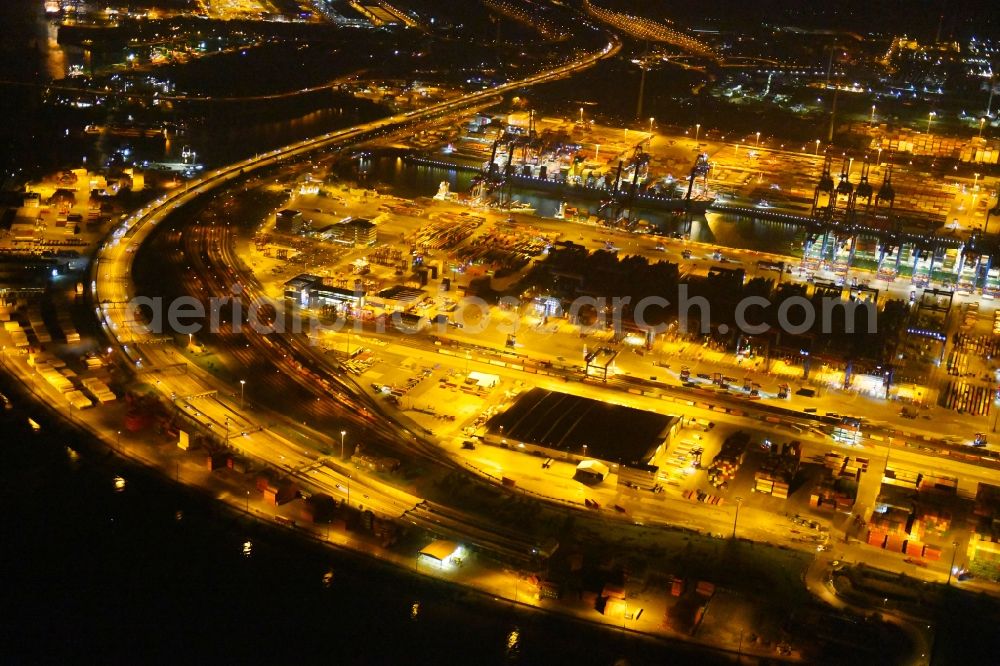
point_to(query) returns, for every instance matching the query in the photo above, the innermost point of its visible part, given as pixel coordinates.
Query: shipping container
(876, 538)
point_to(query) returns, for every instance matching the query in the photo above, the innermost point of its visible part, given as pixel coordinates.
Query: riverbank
(159, 569)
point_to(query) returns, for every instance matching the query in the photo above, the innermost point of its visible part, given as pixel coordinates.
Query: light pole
(888, 452)
(817, 147)
(951, 568)
(989, 102)
(343, 433)
(982, 123)
(975, 182)
(930, 117)
(991, 211)
(597, 150)
(739, 500)
(118, 441)
(697, 129)
(243, 385)
(758, 139)
(651, 125)
(581, 115)
(873, 116)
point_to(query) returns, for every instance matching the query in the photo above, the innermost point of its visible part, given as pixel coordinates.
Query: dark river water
(417, 180)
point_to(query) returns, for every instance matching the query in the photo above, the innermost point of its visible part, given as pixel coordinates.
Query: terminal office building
(569, 427)
(352, 231)
(309, 291)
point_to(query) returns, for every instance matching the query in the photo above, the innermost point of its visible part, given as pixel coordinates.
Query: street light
(697, 129)
(975, 182)
(343, 433)
(651, 125)
(930, 117)
(739, 501)
(581, 115)
(991, 211)
(873, 116)
(758, 139)
(243, 385)
(951, 568)
(982, 123)
(817, 147)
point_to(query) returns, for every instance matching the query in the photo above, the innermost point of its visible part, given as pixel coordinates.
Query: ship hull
(695, 206)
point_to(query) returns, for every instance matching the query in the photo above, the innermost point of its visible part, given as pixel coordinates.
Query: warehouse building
(570, 427)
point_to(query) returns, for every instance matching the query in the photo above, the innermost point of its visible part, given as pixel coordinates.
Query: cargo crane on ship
(846, 232)
(824, 191)
(844, 192)
(886, 193)
(843, 211)
(882, 217)
(700, 170)
(497, 180)
(493, 177)
(610, 209)
(621, 207)
(864, 190)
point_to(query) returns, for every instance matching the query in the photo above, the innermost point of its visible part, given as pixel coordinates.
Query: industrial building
(307, 291)
(298, 288)
(288, 221)
(399, 297)
(355, 232)
(568, 426)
